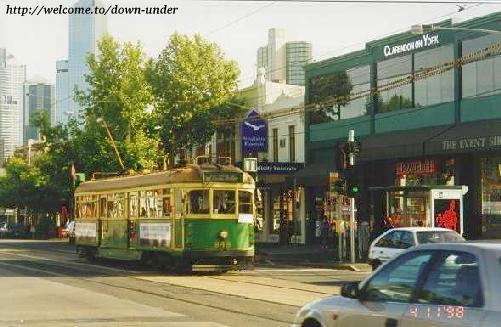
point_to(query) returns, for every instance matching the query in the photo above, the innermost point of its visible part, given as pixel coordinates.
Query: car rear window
(439, 237)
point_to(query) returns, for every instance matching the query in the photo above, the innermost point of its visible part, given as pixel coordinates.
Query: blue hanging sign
(254, 133)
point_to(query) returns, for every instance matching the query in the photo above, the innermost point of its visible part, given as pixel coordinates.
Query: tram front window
(244, 202)
(199, 201)
(224, 202)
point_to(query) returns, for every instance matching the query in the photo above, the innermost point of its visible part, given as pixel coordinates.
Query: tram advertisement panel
(447, 213)
(155, 234)
(86, 232)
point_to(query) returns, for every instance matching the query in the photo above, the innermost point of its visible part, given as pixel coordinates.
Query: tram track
(100, 275)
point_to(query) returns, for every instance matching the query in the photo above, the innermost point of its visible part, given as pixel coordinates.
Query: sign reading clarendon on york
(254, 133)
(425, 41)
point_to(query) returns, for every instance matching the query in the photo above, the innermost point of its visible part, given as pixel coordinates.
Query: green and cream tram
(197, 216)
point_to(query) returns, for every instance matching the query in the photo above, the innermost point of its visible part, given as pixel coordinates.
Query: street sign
(250, 165)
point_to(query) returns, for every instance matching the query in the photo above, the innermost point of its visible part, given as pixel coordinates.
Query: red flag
(73, 172)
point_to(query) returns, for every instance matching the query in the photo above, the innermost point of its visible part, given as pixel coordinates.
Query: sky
(239, 28)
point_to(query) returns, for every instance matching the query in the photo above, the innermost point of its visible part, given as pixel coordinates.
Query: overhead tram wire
(401, 30)
(493, 50)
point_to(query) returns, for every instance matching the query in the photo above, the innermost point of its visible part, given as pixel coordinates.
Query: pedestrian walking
(324, 234)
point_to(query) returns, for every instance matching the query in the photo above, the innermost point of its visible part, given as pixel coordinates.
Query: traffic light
(353, 185)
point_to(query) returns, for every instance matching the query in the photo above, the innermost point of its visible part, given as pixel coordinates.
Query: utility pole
(351, 158)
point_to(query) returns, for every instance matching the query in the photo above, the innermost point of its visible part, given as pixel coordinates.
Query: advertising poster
(447, 214)
(87, 230)
(155, 234)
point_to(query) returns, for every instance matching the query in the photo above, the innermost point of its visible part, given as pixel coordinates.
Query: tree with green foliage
(118, 99)
(193, 85)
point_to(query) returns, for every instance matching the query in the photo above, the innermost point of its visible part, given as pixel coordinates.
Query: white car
(397, 240)
(431, 285)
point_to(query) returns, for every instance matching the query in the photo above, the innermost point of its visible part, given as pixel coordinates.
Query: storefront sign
(279, 167)
(254, 133)
(222, 176)
(472, 143)
(425, 41)
(418, 167)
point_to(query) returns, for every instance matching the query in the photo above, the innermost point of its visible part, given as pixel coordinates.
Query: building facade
(427, 110)
(283, 61)
(39, 95)
(281, 210)
(12, 77)
(84, 33)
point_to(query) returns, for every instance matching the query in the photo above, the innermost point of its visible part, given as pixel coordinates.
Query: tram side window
(224, 202)
(166, 203)
(244, 202)
(152, 198)
(118, 210)
(103, 206)
(133, 204)
(142, 204)
(199, 202)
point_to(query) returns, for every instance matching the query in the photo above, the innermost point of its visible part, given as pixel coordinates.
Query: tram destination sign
(222, 176)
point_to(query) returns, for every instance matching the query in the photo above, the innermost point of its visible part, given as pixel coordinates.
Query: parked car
(397, 240)
(3, 229)
(431, 285)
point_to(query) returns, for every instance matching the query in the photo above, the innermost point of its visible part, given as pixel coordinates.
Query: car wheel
(375, 264)
(311, 323)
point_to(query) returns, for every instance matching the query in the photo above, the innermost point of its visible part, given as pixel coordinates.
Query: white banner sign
(85, 230)
(246, 218)
(155, 231)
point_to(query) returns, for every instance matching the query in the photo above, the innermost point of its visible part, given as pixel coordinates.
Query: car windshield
(439, 237)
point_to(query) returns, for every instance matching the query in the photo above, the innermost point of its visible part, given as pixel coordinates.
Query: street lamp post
(101, 120)
(427, 28)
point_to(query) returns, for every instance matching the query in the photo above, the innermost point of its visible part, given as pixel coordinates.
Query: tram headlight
(223, 234)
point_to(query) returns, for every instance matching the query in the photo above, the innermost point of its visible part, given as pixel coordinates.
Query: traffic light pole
(351, 138)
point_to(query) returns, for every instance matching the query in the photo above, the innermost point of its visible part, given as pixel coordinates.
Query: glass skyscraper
(84, 33)
(12, 77)
(282, 60)
(38, 96)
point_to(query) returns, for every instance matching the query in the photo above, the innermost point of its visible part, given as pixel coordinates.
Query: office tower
(39, 95)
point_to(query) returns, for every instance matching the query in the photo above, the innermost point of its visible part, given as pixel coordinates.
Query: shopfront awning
(397, 145)
(313, 175)
(468, 137)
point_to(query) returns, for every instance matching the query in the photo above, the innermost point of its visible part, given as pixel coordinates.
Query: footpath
(307, 256)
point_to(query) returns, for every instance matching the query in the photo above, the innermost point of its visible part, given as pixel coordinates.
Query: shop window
(199, 202)
(292, 144)
(224, 202)
(390, 71)
(482, 77)
(275, 145)
(244, 202)
(340, 95)
(491, 197)
(440, 87)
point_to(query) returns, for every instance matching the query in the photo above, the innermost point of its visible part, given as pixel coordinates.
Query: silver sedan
(427, 286)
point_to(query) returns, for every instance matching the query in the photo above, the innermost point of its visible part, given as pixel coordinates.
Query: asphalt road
(42, 283)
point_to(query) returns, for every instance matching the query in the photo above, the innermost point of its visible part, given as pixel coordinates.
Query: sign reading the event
(254, 133)
(155, 234)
